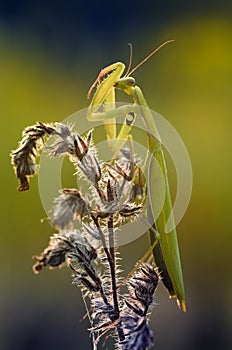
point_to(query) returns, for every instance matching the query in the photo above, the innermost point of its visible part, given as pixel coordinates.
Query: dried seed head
(24, 161)
(65, 141)
(84, 253)
(139, 336)
(69, 206)
(131, 170)
(130, 210)
(92, 231)
(142, 293)
(88, 162)
(115, 202)
(134, 307)
(79, 149)
(24, 157)
(80, 279)
(39, 130)
(143, 285)
(102, 312)
(60, 245)
(90, 167)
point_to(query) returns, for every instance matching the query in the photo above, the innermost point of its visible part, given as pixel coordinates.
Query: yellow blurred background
(44, 76)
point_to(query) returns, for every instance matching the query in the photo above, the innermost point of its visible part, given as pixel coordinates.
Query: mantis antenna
(130, 59)
(146, 58)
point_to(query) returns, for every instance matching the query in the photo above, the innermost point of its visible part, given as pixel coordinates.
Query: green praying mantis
(164, 245)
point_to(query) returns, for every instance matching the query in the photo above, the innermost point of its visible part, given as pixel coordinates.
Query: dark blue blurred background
(70, 28)
(50, 53)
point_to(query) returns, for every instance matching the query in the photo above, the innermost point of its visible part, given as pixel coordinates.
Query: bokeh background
(50, 53)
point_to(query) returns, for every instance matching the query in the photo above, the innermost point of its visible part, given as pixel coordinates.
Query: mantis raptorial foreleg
(166, 251)
(106, 94)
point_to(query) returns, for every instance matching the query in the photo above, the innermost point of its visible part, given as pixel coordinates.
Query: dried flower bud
(143, 284)
(139, 336)
(88, 162)
(150, 276)
(92, 230)
(113, 203)
(69, 206)
(60, 245)
(134, 307)
(65, 142)
(80, 279)
(130, 169)
(102, 310)
(24, 157)
(90, 167)
(142, 293)
(129, 210)
(39, 130)
(79, 149)
(85, 253)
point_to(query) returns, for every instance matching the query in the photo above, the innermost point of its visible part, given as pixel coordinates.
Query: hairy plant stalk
(113, 276)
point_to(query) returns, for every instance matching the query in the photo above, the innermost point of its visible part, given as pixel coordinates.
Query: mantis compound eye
(125, 82)
(130, 81)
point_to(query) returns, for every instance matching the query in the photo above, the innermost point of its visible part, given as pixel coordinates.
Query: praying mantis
(102, 108)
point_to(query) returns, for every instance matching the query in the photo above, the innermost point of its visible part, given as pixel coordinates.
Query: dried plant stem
(110, 253)
(113, 275)
(101, 234)
(91, 322)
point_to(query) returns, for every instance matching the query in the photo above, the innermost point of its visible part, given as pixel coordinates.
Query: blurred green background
(50, 53)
